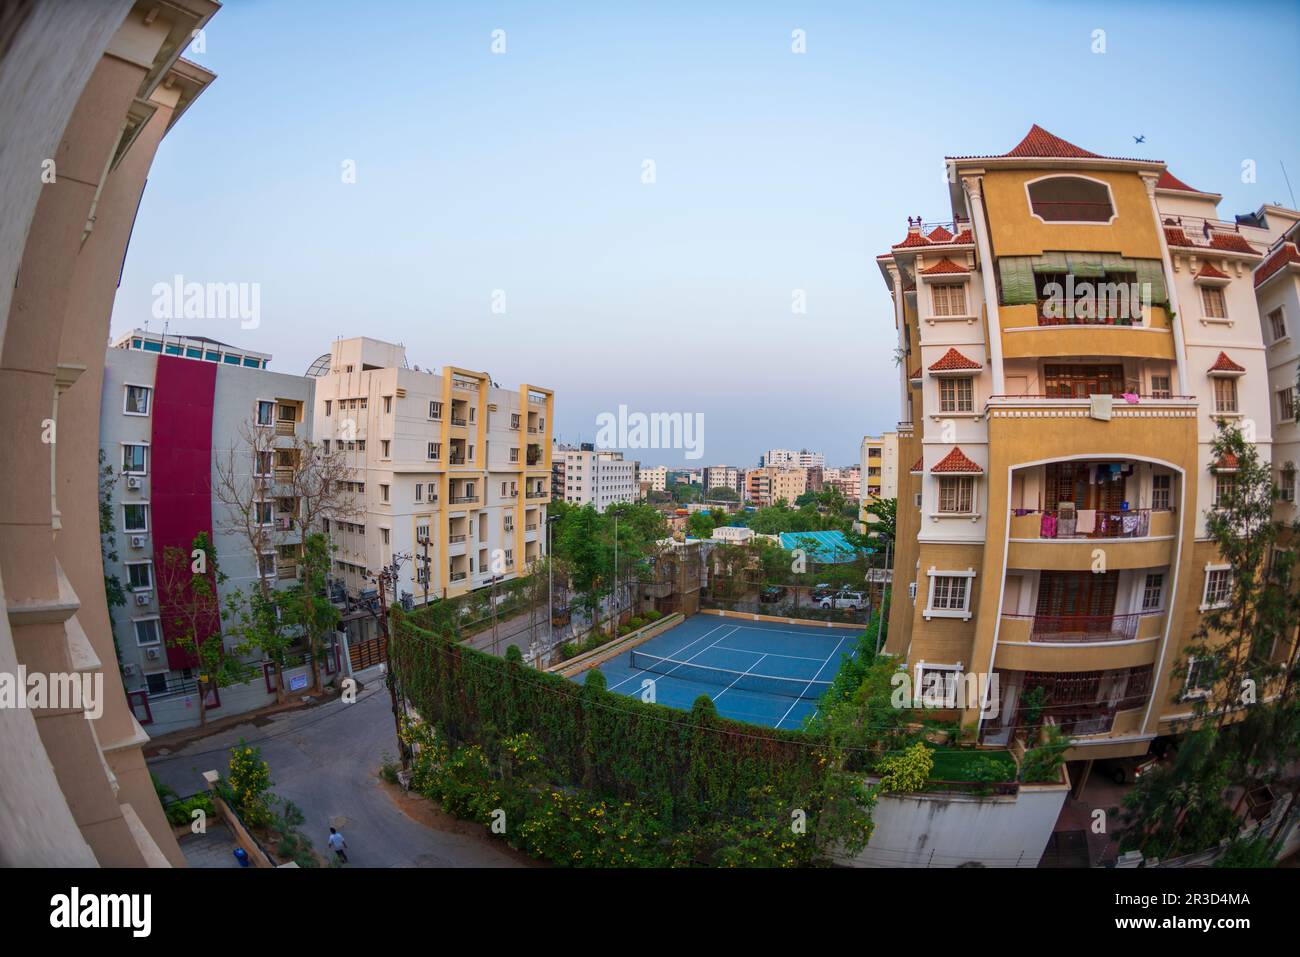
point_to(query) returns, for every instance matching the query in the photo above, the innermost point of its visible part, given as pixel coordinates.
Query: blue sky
(775, 171)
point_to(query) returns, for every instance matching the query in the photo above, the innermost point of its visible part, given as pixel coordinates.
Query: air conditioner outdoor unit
(142, 598)
(137, 541)
(152, 654)
(128, 670)
(133, 482)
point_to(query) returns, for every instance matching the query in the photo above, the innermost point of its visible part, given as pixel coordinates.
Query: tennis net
(742, 680)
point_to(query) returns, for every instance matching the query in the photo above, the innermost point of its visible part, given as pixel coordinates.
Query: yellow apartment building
(1069, 336)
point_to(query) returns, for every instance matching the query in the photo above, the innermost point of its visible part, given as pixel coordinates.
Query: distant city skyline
(506, 191)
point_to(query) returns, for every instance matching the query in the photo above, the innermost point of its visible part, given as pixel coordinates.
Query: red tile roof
(1227, 462)
(916, 373)
(1224, 364)
(944, 266)
(964, 238)
(1175, 236)
(1233, 241)
(1209, 272)
(956, 461)
(1040, 144)
(913, 239)
(1286, 253)
(953, 360)
(1168, 180)
(939, 235)
(918, 465)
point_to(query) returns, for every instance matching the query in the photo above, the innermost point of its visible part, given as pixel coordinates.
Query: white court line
(739, 676)
(809, 685)
(773, 654)
(810, 633)
(674, 655)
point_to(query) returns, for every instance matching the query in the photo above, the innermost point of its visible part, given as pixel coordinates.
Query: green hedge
(690, 771)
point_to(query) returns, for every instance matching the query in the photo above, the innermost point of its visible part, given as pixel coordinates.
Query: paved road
(325, 760)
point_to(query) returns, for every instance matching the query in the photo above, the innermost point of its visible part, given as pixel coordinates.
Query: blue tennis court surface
(766, 673)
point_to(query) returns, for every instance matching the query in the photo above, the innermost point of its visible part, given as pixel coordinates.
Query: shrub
(181, 813)
(250, 778)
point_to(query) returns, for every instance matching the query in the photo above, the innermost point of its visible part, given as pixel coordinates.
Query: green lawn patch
(973, 765)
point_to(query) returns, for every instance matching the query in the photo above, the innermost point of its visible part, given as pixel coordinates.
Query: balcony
(458, 420)
(1081, 628)
(537, 493)
(458, 577)
(1090, 312)
(1195, 232)
(455, 539)
(462, 499)
(285, 426)
(1092, 523)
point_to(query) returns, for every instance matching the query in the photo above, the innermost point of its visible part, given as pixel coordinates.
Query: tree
(306, 605)
(1239, 672)
(885, 526)
(275, 491)
(114, 592)
(187, 602)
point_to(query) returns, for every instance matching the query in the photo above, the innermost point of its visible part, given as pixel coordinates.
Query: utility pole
(388, 574)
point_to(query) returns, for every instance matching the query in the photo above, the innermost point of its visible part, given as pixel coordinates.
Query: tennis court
(767, 673)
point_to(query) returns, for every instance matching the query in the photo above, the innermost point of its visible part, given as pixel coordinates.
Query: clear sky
(774, 172)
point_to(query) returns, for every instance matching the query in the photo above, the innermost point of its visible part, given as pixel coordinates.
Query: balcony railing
(1081, 628)
(285, 426)
(531, 528)
(462, 499)
(1091, 523)
(455, 539)
(456, 459)
(458, 420)
(458, 576)
(1099, 312)
(537, 493)
(1127, 398)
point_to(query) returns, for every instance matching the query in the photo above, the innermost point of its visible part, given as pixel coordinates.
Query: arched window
(1070, 199)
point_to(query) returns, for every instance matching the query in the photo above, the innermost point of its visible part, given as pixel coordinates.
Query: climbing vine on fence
(693, 788)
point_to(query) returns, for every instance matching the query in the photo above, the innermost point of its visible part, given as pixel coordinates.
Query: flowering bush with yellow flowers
(247, 784)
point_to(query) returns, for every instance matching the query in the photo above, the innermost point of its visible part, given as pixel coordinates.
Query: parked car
(821, 591)
(1127, 770)
(846, 599)
(771, 593)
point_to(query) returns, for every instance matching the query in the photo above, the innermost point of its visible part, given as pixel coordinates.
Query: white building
(657, 477)
(802, 459)
(449, 469)
(598, 478)
(723, 476)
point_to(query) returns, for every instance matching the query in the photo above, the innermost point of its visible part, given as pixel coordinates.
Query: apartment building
(657, 477)
(95, 86)
(176, 411)
(848, 480)
(722, 476)
(801, 459)
(452, 473)
(598, 478)
(878, 467)
(1051, 524)
(1277, 289)
(773, 483)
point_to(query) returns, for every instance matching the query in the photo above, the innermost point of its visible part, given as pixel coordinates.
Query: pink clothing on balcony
(1047, 526)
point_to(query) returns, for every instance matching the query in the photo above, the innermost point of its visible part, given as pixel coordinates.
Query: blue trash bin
(241, 855)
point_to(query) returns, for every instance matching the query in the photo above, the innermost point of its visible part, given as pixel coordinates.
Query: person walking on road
(338, 846)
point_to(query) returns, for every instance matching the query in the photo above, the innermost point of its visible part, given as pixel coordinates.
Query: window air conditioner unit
(153, 654)
(133, 482)
(137, 541)
(142, 598)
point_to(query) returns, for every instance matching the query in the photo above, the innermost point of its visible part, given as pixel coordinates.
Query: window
(384, 445)
(435, 410)
(1161, 490)
(1081, 381)
(1213, 303)
(383, 492)
(1225, 395)
(139, 576)
(1277, 324)
(262, 512)
(949, 299)
(328, 403)
(388, 404)
(361, 445)
(950, 593)
(1153, 591)
(266, 565)
(135, 459)
(262, 462)
(421, 534)
(1286, 405)
(135, 518)
(957, 395)
(1218, 588)
(419, 491)
(957, 494)
(1225, 483)
(514, 455)
(147, 632)
(1070, 199)
(514, 420)
(1160, 388)
(1286, 483)
(383, 534)
(137, 400)
(265, 410)
(435, 451)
